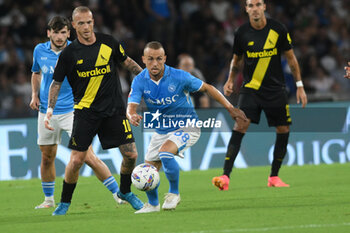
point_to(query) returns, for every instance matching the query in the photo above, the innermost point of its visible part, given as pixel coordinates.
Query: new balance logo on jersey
(96, 72)
(264, 53)
(103, 58)
(250, 43)
(80, 61)
(163, 101)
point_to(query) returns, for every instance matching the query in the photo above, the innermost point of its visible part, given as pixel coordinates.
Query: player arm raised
(234, 69)
(132, 115)
(216, 95)
(132, 66)
(35, 101)
(294, 67)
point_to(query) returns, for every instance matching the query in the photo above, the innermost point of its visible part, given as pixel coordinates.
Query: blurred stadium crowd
(320, 30)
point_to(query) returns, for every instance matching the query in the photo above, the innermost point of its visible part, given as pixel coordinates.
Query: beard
(59, 46)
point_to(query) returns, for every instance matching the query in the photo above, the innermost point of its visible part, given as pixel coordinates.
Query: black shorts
(112, 131)
(275, 106)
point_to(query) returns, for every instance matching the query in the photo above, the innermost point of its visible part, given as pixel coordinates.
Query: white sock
(50, 198)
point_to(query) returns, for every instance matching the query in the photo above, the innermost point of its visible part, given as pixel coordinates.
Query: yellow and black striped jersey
(262, 50)
(92, 73)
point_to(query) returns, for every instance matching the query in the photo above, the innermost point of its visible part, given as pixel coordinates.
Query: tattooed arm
(132, 66)
(234, 69)
(294, 67)
(53, 94)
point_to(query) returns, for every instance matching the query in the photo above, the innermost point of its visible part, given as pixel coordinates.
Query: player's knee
(129, 151)
(282, 129)
(132, 156)
(77, 162)
(48, 158)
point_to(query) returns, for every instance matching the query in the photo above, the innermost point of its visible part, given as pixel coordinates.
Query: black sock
(232, 151)
(125, 183)
(279, 152)
(67, 192)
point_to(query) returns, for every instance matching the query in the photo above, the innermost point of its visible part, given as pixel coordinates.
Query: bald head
(80, 9)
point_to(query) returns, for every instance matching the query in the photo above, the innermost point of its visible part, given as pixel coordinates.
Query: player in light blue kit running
(45, 56)
(166, 93)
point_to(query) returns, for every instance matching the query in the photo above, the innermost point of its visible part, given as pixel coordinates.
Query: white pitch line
(266, 229)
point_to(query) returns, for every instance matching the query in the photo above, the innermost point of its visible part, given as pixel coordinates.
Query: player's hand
(135, 119)
(347, 71)
(47, 119)
(301, 96)
(228, 88)
(35, 102)
(238, 113)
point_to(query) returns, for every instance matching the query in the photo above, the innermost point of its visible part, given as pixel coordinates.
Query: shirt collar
(48, 44)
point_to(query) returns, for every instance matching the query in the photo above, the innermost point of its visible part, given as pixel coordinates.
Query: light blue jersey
(168, 97)
(44, 61)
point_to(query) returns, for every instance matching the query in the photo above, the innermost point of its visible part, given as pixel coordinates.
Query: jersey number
(126, 126)
(263, 63)
(184, 136)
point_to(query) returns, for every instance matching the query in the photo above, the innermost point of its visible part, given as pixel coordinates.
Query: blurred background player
(90, 65)
(156, 84)
(186, 63)
(347, 71)
(45, 56)
(260, 43)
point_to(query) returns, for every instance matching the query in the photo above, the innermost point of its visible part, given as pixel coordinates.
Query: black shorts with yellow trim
(275, 106)
(112, 131)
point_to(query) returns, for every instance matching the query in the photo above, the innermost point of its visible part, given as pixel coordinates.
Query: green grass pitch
(317, 201)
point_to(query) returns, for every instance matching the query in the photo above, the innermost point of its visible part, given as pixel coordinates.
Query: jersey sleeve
(63, 65)
(35, 66)
(119, 52)
(192, 84)
(135, 94)
(286, 42)
(237, 48)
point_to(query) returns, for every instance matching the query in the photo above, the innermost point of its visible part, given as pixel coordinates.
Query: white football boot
(171, 201)
(118, 200)
(46, 204)
(148, 208)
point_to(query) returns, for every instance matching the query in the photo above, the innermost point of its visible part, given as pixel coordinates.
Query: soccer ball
(145, 177)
